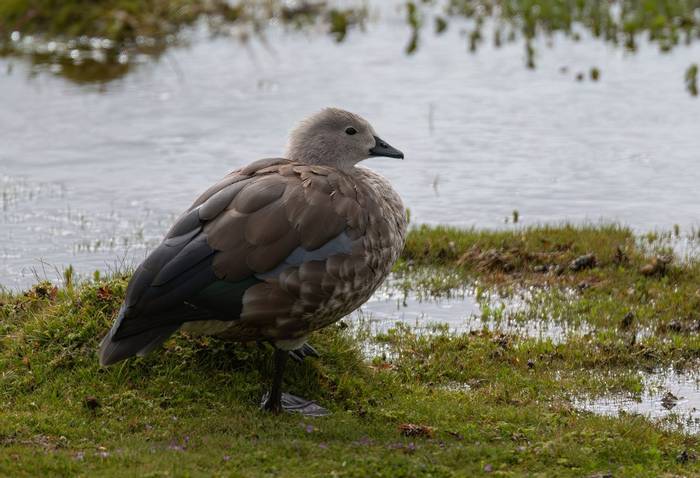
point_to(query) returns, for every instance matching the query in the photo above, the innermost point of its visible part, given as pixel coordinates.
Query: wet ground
(461, 310)
(92, 175)
(671, 398)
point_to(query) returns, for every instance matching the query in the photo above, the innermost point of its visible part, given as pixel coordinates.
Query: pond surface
(93, 175)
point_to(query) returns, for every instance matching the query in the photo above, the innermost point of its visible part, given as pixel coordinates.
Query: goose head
(338, 138)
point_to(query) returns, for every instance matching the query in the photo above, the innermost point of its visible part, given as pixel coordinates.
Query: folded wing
(233, 246)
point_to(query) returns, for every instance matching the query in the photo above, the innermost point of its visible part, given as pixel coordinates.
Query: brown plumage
(274, 250)
(272, 216)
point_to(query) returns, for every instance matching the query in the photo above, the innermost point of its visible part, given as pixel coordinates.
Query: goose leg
(275, 401)
(272, 401)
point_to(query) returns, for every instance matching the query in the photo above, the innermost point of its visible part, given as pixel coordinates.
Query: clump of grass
(516, 251)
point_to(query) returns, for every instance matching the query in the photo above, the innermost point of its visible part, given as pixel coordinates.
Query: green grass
(496, 403)
(630, 275)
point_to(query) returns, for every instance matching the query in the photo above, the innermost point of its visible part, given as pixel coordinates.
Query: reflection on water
(483, 136)
(87, 51)
(464, 310)
(669, 397)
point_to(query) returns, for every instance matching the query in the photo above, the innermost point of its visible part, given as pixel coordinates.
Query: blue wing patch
(340, 244)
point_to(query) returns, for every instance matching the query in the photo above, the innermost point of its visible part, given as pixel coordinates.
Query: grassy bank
(439, 404)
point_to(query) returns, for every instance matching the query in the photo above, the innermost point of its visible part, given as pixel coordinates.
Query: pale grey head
(338, 138)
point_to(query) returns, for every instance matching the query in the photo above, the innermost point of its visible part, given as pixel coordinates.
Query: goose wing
(240, 237)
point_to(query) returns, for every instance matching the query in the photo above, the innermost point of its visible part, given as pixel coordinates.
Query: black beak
(382, 148)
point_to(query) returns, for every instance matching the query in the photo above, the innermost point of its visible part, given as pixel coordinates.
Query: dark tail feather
(112, 351)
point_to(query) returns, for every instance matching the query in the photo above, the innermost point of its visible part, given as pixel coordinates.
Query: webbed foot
(292, 404)
(275, 401)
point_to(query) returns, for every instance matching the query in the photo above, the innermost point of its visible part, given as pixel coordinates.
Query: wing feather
(249, 247)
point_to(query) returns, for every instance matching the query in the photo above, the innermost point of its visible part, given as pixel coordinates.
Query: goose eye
(350, 130)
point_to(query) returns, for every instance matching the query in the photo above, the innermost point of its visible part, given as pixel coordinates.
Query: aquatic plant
(90, 41)
(97, 41)
(666, 23)
(620, 22)
(414, 22)
(691, 79)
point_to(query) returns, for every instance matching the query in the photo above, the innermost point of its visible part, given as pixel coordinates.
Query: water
(670, 398)
(92, 175)
(462, 310)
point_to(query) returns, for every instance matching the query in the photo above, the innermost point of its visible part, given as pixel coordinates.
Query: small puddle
(684, 245)
(459, 311)
(672, 399)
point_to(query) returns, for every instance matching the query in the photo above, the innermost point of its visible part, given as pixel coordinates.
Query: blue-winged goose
(272, 252)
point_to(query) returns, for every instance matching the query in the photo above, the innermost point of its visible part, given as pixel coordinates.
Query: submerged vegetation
(436, 404)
